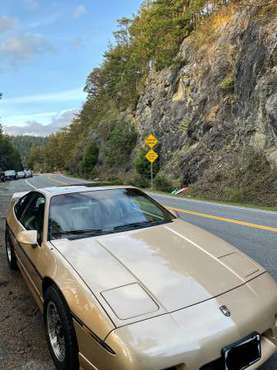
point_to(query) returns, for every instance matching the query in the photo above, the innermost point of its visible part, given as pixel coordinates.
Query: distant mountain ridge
(33, 128)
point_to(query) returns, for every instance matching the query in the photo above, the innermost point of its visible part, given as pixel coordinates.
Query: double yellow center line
(224, 219)
(206, 215)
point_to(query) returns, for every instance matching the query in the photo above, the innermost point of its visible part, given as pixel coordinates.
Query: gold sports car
(125, 285)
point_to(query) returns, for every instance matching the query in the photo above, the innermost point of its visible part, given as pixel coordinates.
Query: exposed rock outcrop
(219, 100)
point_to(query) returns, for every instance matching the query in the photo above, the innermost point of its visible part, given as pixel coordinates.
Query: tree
(151, 38)
(120, 143)
(143, 166)
(9, 156)
(158, 31)
(90, 159)
(23, 145)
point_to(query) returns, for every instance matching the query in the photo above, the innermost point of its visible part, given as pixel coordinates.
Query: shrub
(143, 166)
(113, 180)
(139, 181)
(234, 194)
(161, 182)
(227, 84)
(246, 177)
(90, 159)
(120, 143)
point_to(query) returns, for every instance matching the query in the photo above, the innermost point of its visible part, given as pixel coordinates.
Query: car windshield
(92, 213)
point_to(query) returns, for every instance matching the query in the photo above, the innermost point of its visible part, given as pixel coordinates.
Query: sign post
(151, 156)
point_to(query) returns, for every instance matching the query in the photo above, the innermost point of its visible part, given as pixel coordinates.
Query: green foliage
(139, 181)
(143, 166)
(120, 142)
(228, 84)
(158, 31)
(163, 183)
(60, 152)
(245, 178)
(90, 159)
(36, 159)
(23, 144)
(9, 156)
(184, 125)
(149, 41)
(112, 180)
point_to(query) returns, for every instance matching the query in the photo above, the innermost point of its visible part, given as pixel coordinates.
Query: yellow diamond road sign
(151, 141)
(151, 156)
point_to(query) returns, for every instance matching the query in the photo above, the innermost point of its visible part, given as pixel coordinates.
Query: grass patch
(245, 178)
(228, 84)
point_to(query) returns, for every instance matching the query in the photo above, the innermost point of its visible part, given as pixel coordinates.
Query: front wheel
(11, 258)
(60, 332)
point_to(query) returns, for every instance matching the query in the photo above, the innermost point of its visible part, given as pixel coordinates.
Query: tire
(11, 258)
(60, 330)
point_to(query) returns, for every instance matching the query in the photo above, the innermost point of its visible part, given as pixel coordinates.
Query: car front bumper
(192, 337)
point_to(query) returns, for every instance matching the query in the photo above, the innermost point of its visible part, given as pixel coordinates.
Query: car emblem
(225, 310)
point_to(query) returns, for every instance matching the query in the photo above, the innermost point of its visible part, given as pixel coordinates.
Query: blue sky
(47, 49)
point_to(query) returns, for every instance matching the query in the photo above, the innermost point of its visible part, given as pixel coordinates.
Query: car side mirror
(28, 237)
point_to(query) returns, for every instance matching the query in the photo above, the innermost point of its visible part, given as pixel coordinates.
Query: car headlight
(129, 301)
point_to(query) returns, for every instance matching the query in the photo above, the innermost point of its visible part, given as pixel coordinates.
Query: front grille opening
(177, 367)
(214, 365)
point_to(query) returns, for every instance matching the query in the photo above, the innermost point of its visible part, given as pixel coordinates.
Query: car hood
(177, 264)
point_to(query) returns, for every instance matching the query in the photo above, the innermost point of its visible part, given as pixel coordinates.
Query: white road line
(210, 203)
(32, 186)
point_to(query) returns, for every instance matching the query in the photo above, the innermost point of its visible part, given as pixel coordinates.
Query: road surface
(22, 339)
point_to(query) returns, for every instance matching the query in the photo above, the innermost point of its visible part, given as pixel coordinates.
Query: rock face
(220, 96)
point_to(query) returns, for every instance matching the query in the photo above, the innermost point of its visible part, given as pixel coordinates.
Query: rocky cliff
(215, 109)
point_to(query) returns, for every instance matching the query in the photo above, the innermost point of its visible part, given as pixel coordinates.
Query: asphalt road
(22, 338)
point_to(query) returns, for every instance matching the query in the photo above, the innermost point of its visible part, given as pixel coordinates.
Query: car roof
(59, 190)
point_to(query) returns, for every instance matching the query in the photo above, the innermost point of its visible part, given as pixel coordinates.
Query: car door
(16, 225)
(32, 218)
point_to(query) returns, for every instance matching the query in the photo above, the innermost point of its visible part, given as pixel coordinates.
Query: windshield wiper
(138, 225)
(80, 232)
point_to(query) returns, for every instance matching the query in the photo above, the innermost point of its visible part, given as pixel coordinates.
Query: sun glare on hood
(129, 301)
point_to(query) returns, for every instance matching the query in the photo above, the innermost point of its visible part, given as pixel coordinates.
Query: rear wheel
(11, 258)
(61, 335)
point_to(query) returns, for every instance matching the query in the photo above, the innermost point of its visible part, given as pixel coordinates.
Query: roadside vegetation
(105, 141)
(24, 143)
(103, 138)
(9, 156)
(257, 181)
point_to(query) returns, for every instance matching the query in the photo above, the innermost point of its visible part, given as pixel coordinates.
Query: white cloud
(79, 11)
(21, 119)
(7, 23)
(58, 121)
(21, 47)
(60, 96)
(31, 4)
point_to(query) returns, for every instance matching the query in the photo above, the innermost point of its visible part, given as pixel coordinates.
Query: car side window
(33, 217)
(21, 205)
